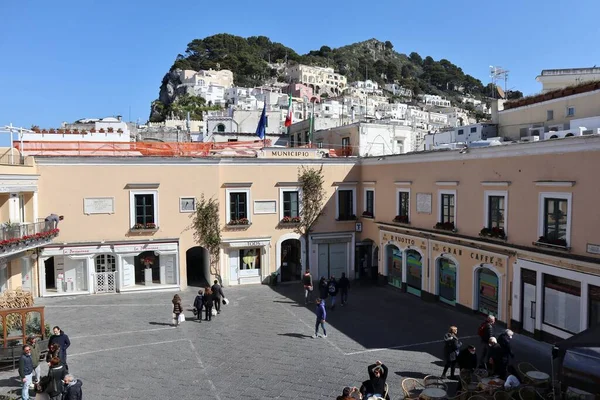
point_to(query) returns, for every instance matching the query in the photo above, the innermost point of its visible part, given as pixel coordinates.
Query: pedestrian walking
(321, 317)
(198, 306)
(72, 389)
(451, 349)
(177, 309)
(323, 288)
(308, 285)
(332, 289)
(376, 385)
(496, 358)
(35, 357)
(62, 340)
(207, 300)
(56, 375)
(26, 371)
(343, 285)
(52, 220)
(504, 340)
(485, 332)
(217, 295)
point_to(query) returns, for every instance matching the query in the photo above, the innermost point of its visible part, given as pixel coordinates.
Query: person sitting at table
(375, 386)
(512, 381)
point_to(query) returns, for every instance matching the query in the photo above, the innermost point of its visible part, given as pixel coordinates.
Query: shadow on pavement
(411, 374)
(160, 323)
(295, 335)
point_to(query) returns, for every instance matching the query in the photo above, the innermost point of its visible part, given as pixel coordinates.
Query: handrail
(20, 230)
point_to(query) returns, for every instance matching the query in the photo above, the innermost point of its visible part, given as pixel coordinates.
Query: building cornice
(173, 161)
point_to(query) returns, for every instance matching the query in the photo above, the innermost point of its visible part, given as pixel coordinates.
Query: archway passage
(447, 281)
(487, 285)
(414, 272)
(197, 263)
(291, 268)
(393, 259)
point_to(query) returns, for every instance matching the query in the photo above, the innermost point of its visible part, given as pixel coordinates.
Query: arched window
(393, 259)
(568, 135)
(487, 291)
(447, 281)
(105, 263)
(553, 137)
(414, 272)
(220, 128)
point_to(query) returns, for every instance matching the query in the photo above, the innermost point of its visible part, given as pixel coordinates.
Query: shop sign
(404, 240)
(593, 248)
(78, 250)
(478, 257)
(248, 244)
(138, 248)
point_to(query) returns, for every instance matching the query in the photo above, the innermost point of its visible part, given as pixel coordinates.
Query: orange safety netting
(134, 149)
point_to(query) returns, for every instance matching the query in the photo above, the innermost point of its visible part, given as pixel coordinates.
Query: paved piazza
(260, 347)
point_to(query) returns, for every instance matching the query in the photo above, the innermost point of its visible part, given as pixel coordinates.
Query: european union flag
(261, 129)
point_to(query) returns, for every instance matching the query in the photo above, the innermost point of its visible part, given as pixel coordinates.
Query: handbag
(181, 318)
(213, 312)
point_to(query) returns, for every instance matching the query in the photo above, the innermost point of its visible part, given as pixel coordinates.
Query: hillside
(249, 60)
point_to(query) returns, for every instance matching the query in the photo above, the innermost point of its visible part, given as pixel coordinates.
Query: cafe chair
(529, 393)
(412, 388)
(459, 395)
(481, 373)
(504, 394)
(434, 381)
(478, 397)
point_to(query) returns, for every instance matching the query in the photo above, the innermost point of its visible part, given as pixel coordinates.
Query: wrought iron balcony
(18, 237)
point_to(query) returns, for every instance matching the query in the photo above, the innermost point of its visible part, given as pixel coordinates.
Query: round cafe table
(538, 375)
(433, 393)
(492, 383)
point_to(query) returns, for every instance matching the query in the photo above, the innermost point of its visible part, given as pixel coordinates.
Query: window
(346, 204)
(238, 205)
(400, 146)
(495, 209)
(345, 142)
(461, 131)
(403, 204)
(232, 140)
(370, 202)
(249, 259)
(549, 115)
(474, 129)
(562, 299)
(220, 128)
(319, 144)
(570, 111)
(292, 137)
(143, 209)
(555, 219)
(291, 204)
(447, 211)
(105, 263)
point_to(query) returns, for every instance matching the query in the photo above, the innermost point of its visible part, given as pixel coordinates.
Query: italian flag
(288, 118)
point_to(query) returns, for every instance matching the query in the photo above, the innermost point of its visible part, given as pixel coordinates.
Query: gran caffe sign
(466, 253)
(403, 240)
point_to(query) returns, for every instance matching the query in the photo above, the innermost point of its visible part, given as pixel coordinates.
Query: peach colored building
(510, 231)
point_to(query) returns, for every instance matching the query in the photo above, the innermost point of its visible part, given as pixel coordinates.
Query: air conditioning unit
(530, 139)
(590, 131)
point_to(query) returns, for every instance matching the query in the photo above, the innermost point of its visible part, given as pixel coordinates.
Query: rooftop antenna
(497, 74)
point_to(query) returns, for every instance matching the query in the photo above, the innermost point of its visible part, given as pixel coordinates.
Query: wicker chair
(434, 381)
(504, 394)
(412, 388)
(529, 393)
(481, 373)
(467, 382)
(478, 397)
(523, 369)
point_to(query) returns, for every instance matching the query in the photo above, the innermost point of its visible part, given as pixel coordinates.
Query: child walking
(321, 315)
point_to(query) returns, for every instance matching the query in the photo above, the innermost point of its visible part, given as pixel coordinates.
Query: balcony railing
(18, 237)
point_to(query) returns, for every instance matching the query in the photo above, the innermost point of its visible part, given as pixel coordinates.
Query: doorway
(291, 268)
(50, 275)
(333, 259)
(363, 261)
(197, 262)
(528, 309)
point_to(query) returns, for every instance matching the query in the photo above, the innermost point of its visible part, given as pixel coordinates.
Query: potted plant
(101, 130)
(445, 226)
(241, 221)
(110, 130)
(93, 130)
(52, 130)
(367, 214)
(150, 225)
(553, 242)
(402, 219)
(119, 130)
(44, 131)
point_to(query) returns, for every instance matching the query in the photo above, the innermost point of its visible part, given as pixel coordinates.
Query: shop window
(487, 291)
(594, 305)
(249, 259)
(393, 257)
(562, 298)
(447, 281)
(144, 208)
(345, 204)
(414, 272)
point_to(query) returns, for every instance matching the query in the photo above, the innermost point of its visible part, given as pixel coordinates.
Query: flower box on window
(241, 221)
(445, 226)
(146, 226)
(401, 219)
(495, 232)
(367, 214)
(548, 242)
(290, 220)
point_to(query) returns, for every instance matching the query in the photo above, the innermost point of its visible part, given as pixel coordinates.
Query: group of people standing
(328, 288)
(209, 301)
(495, 355)
(58, 383)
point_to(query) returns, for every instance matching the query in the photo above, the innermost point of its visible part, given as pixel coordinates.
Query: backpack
(482, 332)
(332, 288)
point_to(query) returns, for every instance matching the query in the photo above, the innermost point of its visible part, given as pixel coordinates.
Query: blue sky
(69, 59)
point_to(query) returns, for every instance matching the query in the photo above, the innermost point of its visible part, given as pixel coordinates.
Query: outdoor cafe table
(433, 393)
(491, 383)
(537, 375)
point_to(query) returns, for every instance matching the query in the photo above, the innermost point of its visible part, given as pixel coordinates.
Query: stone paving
(260, 347)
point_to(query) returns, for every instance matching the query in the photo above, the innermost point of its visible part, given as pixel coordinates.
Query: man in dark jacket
(198, 304)
(72, 388)
(375, 386)
(61, 339)
(486, 331)
(504, 341)
(35, 357)
(26, 371)
(467, 358)
(343, 285)
(217, 295)
(496, 358)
